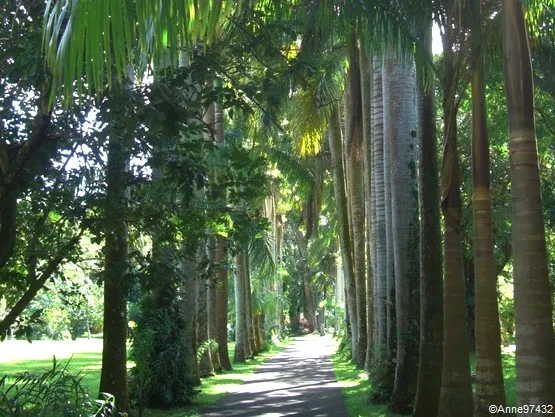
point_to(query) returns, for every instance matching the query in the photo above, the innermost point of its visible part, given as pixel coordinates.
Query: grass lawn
(356, 388)
(20, 356)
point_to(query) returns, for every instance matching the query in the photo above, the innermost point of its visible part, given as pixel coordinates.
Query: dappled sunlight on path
(297, 382)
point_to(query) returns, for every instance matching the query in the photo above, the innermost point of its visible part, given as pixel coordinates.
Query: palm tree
(535, 354)
(241, 335)
(389, 253)
(113, 375)
(206, 367)
(489, 374)
(379, 195)
(355, 159)
(431, 279)
(366, 78)
(400, 94)
(456, 386)
(212, 306)
(220, 255)
(334, 136)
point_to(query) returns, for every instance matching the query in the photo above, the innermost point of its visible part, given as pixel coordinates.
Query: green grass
(356, 387)
(86, 357)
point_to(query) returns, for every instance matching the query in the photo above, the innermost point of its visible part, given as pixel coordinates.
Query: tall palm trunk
(389, 254)
(241, 335)
(220, 257)
(366, 75)
(334, 136)
(189, 270)
(402, 139)
(456, 387)
(355, 161)
(249, 312)
(379, 193)
(489, 374)
(211, 310)
(206, 366)
(535, 351)
(431, 279)
(113, 374)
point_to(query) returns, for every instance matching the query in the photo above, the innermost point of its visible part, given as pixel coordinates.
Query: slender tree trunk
(113, 374)
(258, 332)
(212, 326)
(221, 285)
(379, 192)
(535, 350)
(205, 366)
(431, 279)
(342, 210)
(456, 387)
(355, 161)
(402, 139)
(310, 305)
(221, 295)
(249, 312)
(389, 257)
(191, 304)
(241, 335)
(388, 377)
(366, 78)
(353, 328)
(489, 374)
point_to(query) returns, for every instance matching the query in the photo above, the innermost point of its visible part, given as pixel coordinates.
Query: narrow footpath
(299, 381)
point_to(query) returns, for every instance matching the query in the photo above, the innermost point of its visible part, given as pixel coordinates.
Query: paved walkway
(299, 381)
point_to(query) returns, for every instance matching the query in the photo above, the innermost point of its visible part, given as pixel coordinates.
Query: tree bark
(366, 78)
(221, 284)
(206, 367)
(249, 312)
(489, 373)
(456, 387)
(355, 160)
(379, 192)
(113, 374)
(334, 136)
(402, 138)
(241, 335)
(431, 279)
(389, 254)
(535, 352)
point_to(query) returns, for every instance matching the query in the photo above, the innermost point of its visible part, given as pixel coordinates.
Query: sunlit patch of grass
(85, 358)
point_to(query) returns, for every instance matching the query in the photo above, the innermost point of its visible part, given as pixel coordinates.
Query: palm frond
(84, 39)
(261, 255)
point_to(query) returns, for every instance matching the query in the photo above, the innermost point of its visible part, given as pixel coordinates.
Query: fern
(209, 345)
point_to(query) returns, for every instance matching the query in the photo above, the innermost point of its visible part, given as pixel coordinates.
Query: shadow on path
(297, 382)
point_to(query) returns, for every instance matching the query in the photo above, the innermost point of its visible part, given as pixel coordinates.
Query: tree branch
(37, 284)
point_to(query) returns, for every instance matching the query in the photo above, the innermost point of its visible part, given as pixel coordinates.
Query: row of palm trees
(388, 130)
